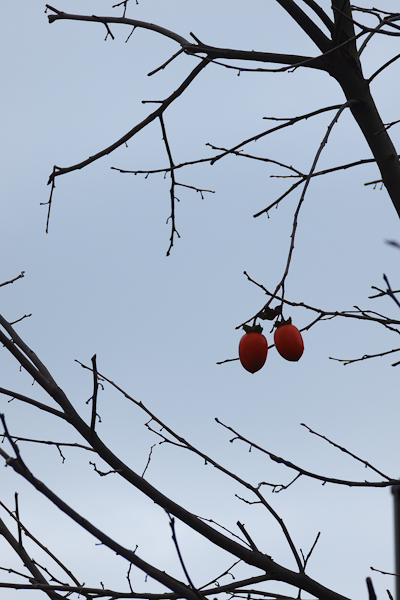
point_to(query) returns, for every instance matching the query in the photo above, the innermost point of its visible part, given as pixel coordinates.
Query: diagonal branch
(28, 562)
(307, 24)
(173, 584)
(321, 14)
(17, 341)
(38, 543)
(261, 561)
(32, 402)
(154, 115)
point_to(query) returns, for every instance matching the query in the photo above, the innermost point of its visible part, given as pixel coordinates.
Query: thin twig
(175, 540)
(247, 536)
(342, 449)
(94, 396)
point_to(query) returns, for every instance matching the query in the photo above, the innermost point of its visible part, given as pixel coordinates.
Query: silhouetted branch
(307, 558)
(342, 449)
(28, 562)
(162, 577)
(94, 396)
(301, 471)
(22, 274)
(371, 591)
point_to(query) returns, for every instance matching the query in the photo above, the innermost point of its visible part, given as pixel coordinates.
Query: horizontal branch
(325, 314)
(60, 15)
(104, 592)
(191, 48)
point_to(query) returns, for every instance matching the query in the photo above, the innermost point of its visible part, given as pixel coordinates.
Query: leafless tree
(339, 55)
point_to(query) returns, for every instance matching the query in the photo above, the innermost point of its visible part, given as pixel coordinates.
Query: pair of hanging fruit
(253, 346)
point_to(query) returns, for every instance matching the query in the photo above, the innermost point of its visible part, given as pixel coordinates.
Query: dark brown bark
(339, 58)
(344, 65)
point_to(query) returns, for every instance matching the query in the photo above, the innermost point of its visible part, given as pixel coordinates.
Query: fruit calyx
(252, 328)
(283, 322)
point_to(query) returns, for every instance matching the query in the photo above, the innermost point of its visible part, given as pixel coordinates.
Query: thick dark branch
(59, 15)
(28, 562)
(162, 577)
(307, 25)
(321, 14)
(103, 592)
(294, 60)
(257, 559)
(198, 48)
(181, 442)
(25, 349)
(345, 67)
(36, 541)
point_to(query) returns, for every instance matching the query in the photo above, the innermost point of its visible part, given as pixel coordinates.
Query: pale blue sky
(100, 282)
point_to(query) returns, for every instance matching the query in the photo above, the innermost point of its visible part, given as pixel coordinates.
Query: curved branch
(60, 15)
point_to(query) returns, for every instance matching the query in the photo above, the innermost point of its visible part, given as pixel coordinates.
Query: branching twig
(183, 443)
(281, 283)
(172, 189)
(306, 559)
(57, 171)
(390, 292)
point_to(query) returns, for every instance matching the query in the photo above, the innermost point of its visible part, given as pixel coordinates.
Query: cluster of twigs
(240, 546)
(342, 44)
(339, 57)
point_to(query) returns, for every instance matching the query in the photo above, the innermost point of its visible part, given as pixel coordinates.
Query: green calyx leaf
(252, 328)
(283, 322)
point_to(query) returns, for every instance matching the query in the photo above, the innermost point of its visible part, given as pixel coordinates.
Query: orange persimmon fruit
(253, 348)
(288, 341)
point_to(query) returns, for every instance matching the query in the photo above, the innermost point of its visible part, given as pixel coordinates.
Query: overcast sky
(100, 282)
